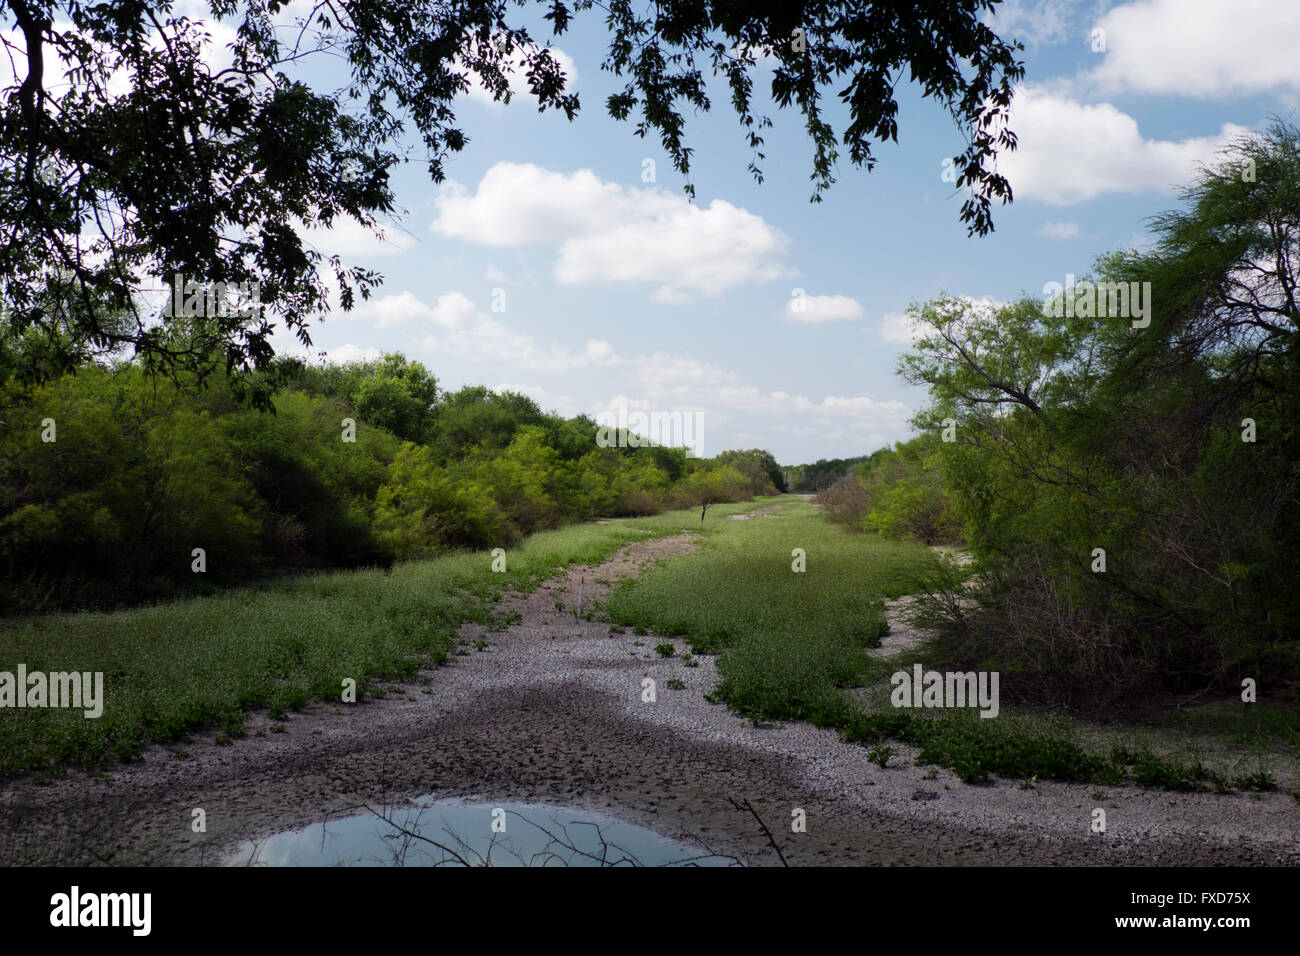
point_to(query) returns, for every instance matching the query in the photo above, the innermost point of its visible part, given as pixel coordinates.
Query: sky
(563, 260)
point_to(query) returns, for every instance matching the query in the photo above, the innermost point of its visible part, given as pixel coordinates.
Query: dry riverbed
(551, 710)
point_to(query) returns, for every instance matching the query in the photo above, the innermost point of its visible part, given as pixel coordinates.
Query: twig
(766, 832)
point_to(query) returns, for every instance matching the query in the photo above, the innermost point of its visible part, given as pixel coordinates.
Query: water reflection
(430, 832)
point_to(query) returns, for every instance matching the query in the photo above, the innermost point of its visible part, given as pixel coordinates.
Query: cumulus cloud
(454, 326)
(1035, 22)
(1059, 230)
(342, 354)
(672, 382)
(517, 77)
(898, 328)
(1200, 48)
(544, 397)
(457, 327)
(901, 328)
(347, 237)
(822, 308)
(1070, 152)
(606, 232)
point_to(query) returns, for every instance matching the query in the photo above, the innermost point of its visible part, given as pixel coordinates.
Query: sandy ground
(552, 711)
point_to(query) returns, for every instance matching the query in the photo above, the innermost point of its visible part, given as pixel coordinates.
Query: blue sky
(609, 288)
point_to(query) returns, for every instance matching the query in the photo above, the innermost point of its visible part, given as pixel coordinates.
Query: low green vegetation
(790, 638)
(880, 756)
(793, 646)
(181, 666)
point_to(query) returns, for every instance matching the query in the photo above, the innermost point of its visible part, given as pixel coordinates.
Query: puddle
(428, 832)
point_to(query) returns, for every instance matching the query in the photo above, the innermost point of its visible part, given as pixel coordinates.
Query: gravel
(552, 711)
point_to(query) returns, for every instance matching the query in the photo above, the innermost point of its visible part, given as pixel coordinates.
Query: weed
(1254, 781)
(880, 756)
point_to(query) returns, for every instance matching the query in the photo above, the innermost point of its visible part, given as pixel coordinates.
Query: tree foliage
(109, 505)
(1130, 490)
(150, 169)
(898, 493)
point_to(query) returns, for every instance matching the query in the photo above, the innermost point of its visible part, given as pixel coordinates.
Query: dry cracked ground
(551, 711)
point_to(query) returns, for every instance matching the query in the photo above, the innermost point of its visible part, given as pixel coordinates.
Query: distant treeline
(110, 479)
(820, 475)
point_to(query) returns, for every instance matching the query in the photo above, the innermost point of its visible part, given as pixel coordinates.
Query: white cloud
(1070, 152)
(898, 328)
(1200, 48)
(671, 382)
(342, 354)
(822, 308)
(214, 52)
(519, 204)
(1059, 230)
(517, 77)
(454, 327)
(599, 353)
(901, 329)
(1036, 22)
(544, 397)
(347, 237)
(457, 327)
(606, 232)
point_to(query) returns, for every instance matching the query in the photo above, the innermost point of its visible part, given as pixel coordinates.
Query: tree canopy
(129, 162)
(1130, 487)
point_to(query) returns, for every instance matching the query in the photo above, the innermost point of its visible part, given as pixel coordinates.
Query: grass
(792, 644)
(790, 638)
(186, 665)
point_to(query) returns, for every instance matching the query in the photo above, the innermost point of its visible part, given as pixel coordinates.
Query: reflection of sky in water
(536, 835)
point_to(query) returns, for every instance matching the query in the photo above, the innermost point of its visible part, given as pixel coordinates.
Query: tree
(708, 486)
(474, 416)
(195, 176)
(758, 466)
(1128, 484)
